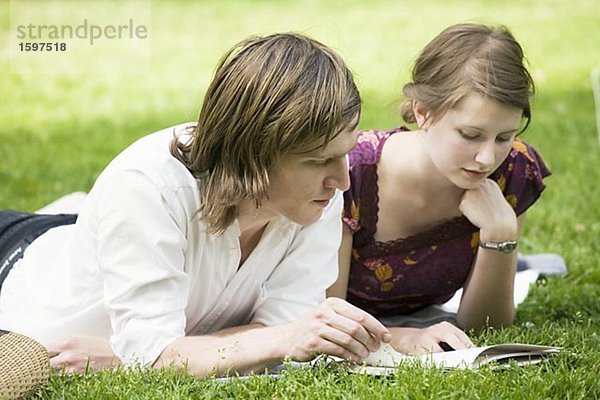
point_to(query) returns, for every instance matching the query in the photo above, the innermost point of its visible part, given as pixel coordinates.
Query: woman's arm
(340, 287)
(416, 341)
(488, 296)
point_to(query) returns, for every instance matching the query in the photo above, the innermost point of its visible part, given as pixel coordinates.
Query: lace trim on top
(365, 237)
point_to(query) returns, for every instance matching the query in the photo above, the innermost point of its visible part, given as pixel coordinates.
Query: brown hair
(270, 96)
(464, 59)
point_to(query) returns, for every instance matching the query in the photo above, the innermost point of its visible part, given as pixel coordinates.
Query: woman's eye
(468, 136)
(501, 139)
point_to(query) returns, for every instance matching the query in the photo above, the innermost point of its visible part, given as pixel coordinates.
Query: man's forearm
(241, 349)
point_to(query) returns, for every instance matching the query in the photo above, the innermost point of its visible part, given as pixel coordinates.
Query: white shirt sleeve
(141, 241)
(310, 266)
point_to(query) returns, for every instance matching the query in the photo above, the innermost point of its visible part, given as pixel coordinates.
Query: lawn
(60, 124)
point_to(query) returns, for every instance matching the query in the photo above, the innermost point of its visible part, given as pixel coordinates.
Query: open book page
(387, 357)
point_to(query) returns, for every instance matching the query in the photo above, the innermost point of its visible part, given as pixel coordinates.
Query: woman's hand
(336, 328)
(416, 341)
(82, 354)
(487, 209)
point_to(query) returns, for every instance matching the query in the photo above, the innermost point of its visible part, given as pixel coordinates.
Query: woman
(442, 207)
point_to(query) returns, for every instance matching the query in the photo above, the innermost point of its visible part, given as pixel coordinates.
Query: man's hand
(336, 328)
(81, 354)
(415, 341)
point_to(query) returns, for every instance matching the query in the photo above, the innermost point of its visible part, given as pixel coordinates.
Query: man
(206, 245)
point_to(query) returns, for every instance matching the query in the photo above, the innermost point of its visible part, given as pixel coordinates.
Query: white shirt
(138, 266)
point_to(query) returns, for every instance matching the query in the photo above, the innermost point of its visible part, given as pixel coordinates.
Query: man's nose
(338, 177)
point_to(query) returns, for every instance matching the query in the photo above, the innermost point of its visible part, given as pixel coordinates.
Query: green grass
(58, 131)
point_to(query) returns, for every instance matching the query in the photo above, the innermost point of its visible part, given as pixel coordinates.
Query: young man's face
(301, 186)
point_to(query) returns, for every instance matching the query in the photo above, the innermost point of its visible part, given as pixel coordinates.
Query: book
(386, 359)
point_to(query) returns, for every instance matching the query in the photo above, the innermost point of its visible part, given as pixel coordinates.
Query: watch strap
(506, 246)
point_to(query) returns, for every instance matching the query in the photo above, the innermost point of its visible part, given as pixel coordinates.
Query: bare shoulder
(398, 150)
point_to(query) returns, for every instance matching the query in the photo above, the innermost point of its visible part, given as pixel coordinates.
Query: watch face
(507, 247)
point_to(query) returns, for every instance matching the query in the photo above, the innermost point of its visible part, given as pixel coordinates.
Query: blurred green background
(71, 123)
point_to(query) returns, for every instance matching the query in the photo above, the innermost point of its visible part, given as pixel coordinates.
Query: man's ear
(421, 114)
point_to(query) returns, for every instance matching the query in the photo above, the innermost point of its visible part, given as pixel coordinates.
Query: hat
(24, 365)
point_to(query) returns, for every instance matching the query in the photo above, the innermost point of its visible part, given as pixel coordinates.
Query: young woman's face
(471, 140)
(302, 185)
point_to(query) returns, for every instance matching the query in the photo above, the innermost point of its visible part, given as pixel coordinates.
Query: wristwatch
(505, 247)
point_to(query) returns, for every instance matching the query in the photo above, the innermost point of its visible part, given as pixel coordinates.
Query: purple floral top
(405, 275)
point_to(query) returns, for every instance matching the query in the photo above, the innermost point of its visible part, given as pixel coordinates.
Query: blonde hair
(270, 96)
(464, 59)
